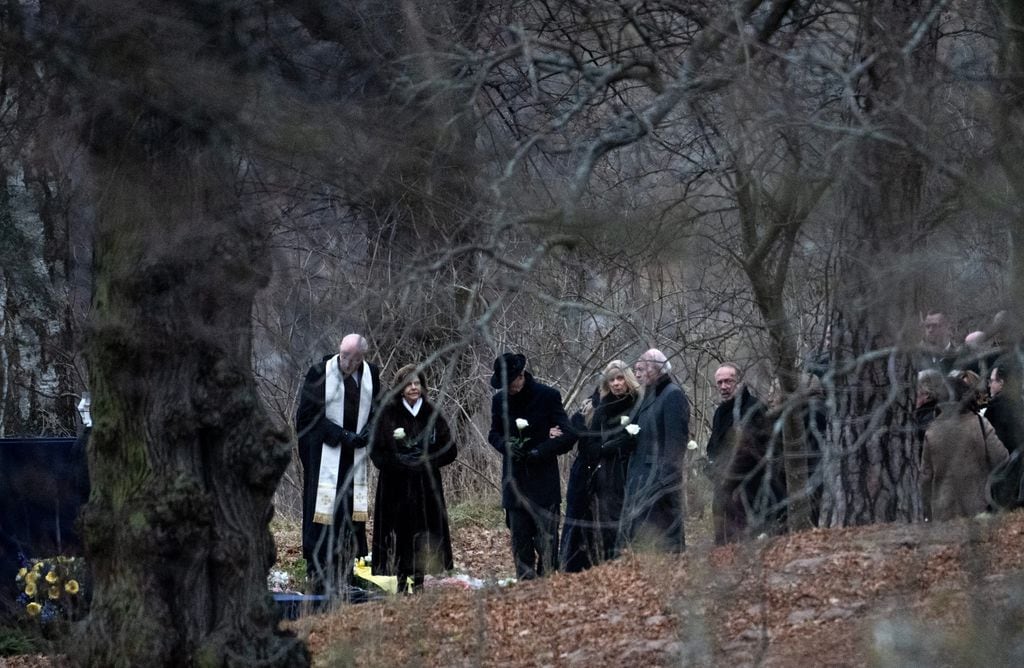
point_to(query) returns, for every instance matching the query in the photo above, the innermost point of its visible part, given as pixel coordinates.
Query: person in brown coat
(960, 450)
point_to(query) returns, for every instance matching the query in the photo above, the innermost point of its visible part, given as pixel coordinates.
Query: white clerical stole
(330, 457)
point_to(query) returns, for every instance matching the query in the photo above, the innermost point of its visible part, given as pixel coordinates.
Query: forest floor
(884, 595)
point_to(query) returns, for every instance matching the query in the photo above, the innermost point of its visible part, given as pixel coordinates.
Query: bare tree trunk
(37, 379)
(1011, 57)
(768, 248)
(872, 457)
(183, 460)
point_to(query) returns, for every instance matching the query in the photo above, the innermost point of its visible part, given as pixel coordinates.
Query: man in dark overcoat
(653, 509)
(529, 428)
(335, 410)
(937, 350)
(735, 451)
(1005, 409)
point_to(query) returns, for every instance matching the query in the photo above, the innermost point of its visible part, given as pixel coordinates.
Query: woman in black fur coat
(411, 443)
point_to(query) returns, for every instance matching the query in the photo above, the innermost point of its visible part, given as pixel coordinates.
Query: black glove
(334, 435)
(628, 444)
(616, 445)
(350, 439)
(517, 450)
(407, 445)
(410, 461)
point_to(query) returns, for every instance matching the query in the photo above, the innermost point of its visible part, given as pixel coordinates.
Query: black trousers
(534, 539)
(330, 558)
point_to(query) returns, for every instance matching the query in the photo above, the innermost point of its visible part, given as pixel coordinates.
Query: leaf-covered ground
(887, 595)
(943, 594)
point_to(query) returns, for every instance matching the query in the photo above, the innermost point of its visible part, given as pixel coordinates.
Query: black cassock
(410, 518)
(329, 549)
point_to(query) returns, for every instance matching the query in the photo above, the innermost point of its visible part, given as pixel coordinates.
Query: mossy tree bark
(183, 460)
(872, 456)
(1010, 121)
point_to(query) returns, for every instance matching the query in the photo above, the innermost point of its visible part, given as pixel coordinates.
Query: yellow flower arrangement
(51, 590)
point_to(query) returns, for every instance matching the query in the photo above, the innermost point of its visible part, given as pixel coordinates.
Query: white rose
(399, 434)
(633, 429)
(624, 420)
(692, 445)
(521, 424)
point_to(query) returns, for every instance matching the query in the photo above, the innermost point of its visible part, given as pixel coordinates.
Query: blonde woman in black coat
(597, 481)
(411, 443)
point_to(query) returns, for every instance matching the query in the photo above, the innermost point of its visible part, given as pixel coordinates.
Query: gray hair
(735, 367)
(933, 383)
(655, 355)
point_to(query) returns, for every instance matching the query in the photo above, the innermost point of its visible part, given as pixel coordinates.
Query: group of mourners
(626, 485)
(970, 419)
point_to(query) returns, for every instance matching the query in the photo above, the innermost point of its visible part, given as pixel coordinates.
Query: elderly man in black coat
(652, 513)
(736, 454)
(335, 411)
(529, 428)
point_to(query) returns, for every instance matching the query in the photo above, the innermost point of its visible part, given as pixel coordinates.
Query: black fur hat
(506, 368)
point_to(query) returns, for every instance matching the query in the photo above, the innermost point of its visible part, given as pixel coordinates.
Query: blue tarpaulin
(43, 484)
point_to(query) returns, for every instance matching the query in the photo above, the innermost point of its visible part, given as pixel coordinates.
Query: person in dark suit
(652, 514)
(529, 429)
(937, 350)
(1005, 410)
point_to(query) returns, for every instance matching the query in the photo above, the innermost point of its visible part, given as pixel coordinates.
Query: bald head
(352, 352)
(651, 366)
(975, 340)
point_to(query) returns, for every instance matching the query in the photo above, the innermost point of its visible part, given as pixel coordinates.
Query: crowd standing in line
(969, 414)
(626, 486)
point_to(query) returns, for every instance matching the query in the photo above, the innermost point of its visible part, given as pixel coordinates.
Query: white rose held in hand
(624, 420)
(521, 424)
(633, 429)
(399, 434)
